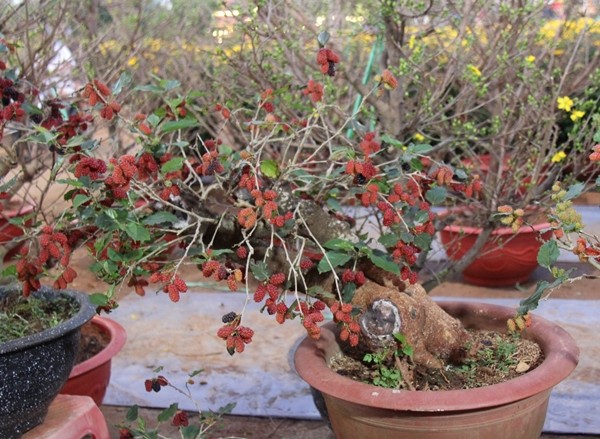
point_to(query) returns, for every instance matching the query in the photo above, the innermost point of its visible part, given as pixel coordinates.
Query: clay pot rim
(561, 358)
(500, 231)
(118, 337)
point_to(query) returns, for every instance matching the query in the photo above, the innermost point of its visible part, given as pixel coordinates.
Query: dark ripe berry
(406, 166)
(36, 118)
(360, 179)
(155, 385)
(229, 317)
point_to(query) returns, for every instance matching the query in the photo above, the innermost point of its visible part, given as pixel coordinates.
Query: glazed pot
(34, 368)
(506, 259)
(92, 376)
(515, 409)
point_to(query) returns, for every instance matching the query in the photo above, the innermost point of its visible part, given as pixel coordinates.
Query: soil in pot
(20, 316)
(92, 341)
(492, 357)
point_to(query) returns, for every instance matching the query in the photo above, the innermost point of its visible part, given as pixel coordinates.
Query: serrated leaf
(548, 253)
(98, 299)
(160, 218)
(137, 232)
(388, 239)
(339, 244)
(332, 260)
(260, 271)
(79, 200)
(436, 195)
(172, 165)
(269, 168)
(384, 261)
(574, 191)
(132, 413)
(348, 292)
(423, 241)
(167, 413)
(174, 125)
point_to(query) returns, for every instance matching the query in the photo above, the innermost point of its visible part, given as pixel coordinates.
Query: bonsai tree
(299, 215)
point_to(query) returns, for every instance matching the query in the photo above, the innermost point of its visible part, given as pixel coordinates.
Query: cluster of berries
(173, 285)
(342, 314)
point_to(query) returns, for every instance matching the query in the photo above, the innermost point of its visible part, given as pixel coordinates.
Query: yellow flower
(576, 115)
(559, 157)
(411, 42)
(131, 62)
(565, 103)
(530, 59)
(474, 70)
(419, 137)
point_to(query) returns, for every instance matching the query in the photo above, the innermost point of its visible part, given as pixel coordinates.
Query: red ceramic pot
(515, 409)
(91, 377)
(506, 259)
(9, 232)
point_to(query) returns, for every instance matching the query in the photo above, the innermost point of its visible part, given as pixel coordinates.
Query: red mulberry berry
(277, 279)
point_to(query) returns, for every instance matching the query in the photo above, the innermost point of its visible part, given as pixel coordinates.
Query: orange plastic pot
(91, 377)
(506, 259)
(515, 409)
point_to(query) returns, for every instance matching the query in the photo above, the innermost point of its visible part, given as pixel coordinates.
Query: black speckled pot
(34, 368)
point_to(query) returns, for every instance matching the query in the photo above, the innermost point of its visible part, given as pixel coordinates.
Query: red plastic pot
(515, 409)
(91, 377)
(10, 232)
(506, 259)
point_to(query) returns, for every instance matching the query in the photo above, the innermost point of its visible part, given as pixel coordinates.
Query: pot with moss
(38, 344)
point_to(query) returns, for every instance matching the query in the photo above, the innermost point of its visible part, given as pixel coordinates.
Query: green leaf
(196, 372)
(190, 431)
(388, 240)
(167, 413)
(79, 200)
(548, 253)
(334, 205)
(113, 255)
(137, 232)
(394, 142)
(98, 299)
(348, 292)
(423, 241)
(574, 191)
(323, 38)
(384, 261)
(132, 413)
(123, 81)
(174, 125)
(419, 148)
(160, 218)
(436, 195)
(269, 168)
(10, 271)
(260, 271)
(172, 165)
(332, 260)
(339, 244)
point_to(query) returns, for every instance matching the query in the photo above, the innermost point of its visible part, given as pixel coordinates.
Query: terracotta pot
(515, 409)
(506, 259)
(9, 232)
(92, 376)
(35, 367)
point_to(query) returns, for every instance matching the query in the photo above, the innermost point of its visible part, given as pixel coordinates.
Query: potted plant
(39, 343)
(299, 216)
